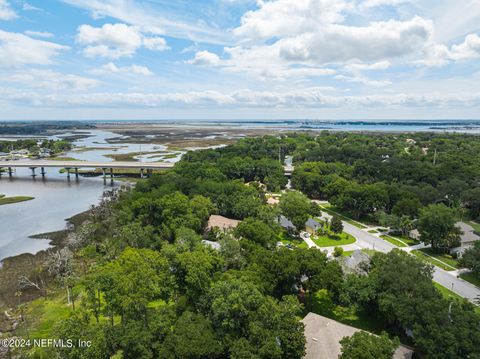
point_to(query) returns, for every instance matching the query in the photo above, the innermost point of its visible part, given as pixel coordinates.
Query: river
(57, 199)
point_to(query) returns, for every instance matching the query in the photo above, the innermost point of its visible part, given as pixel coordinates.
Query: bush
(337, 251)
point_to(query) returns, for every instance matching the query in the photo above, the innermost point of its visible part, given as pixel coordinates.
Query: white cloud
(376, 42)
(47, 79)
(288, 35)
(440, 55)
(116, 40)
(42, 34)
(151, 19)
(155, 43)
(382, 65)
(205, 58)
(287, 18)
(375, 3)
(469, 49)
(112, 68)
(313, 97)
(17, 50)
(6, 12)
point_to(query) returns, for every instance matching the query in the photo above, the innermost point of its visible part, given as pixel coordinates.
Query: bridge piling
(76, 172)
(68, 173)
(10, 171)
(141, 172)
(33, 172)
(42, 171)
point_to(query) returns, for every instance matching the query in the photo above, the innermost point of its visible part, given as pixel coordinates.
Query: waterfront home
(324, 334)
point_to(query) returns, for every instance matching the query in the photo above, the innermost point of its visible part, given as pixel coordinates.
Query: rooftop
(324, 334)
(221, 222)
(468, 235)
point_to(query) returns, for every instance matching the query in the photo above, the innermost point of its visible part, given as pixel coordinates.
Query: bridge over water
(75, 165)
(105, 166)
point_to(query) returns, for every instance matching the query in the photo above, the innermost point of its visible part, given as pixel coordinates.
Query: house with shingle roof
(324, 334)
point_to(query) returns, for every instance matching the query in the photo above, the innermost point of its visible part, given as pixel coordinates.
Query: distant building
(324, 334)
(215, 245)
(311, 226)
(414, 234)
(467, 238)
(272, 201)
(223, 223)
(354, 263)
(286, 224)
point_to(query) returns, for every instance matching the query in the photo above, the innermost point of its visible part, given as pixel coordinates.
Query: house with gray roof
(467, 238)
(286, 223)
(311, 226)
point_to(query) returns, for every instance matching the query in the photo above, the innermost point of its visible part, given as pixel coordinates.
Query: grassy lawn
(42, 315)
(372, 231)
(393, 241)
(447, 293)
(446, 258)
(297, 242)
(471, 277)
(370, 252)
(321, 303)
(432, 260)
(10, 200)
(332, 240)
(332, 212)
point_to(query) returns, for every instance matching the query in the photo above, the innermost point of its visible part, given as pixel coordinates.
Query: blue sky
(230, 59)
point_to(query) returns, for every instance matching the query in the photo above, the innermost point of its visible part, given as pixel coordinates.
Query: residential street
(447, 279)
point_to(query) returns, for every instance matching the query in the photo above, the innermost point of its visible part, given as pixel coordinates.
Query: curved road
(447, 279)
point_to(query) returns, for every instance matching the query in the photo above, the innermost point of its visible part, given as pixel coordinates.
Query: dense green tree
(296, 207)
(436, 225)
(192, 336)
(196, 269)
(363, 345)
(471, 258)
(336, 225)
(256, 231)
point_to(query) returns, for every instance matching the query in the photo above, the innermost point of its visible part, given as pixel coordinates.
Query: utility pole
(435, 157)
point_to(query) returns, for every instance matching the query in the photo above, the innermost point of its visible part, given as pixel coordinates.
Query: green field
(16, 199)
(372, 231)
(333, 240)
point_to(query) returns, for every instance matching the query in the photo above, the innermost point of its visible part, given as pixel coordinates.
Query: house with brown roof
(222, 223)
(324, 334)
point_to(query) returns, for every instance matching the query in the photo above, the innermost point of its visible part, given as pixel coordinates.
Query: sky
(239, 59)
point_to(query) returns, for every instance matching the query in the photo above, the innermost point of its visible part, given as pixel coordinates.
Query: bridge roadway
(75, 165)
